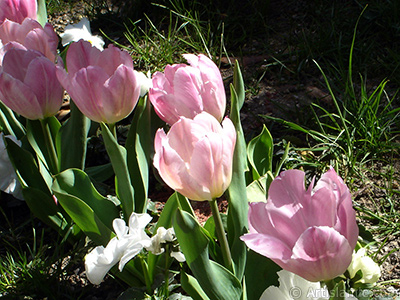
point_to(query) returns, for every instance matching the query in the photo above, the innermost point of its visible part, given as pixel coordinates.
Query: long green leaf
(38, 140)
(238, 206)
(118, 157)
(216, 281)
(73, 132)
(192, 287)
(138, 150)
(26, 167)
(35, 189)
(9, 123)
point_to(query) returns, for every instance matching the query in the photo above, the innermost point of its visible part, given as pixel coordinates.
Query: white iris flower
(127, 243)
(81, 31)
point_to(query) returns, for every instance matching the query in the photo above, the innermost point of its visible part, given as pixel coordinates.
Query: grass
(34, 262)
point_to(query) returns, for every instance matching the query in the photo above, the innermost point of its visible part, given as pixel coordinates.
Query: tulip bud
(29, 35)
(17, 10)
(187, 90)
(29, 85)
(102, 84)
(195, 157)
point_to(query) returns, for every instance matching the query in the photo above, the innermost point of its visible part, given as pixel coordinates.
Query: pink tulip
(185, 91)
(102, 84)
(29, 85)
(17, 10)
(195, 157)
(311, 233)
(29, 35)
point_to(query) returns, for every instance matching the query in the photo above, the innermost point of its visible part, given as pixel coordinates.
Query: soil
(278, 95)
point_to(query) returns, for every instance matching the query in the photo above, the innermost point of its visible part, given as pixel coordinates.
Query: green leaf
(118, 157)
(73, 132)
(75, 184)
(84, 216)
(192, 287)
(337, 293)
(238, 206)
(26, 167)
(42, 12)
(43, 206)
(38, 140)
(257, 267)
(138, 145)
(9, 123)
(260, 152)
(35, 189)
(100, 173)
(216, 281)
(256, 190)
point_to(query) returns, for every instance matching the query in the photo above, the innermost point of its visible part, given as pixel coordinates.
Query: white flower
(370, 269)
(129, 241)
(81, 31)
(161, 237)
(144, 81)
(179, 256)
(294, 287)
(8, 178)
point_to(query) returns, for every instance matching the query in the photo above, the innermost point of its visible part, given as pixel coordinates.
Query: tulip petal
(80, 55)
(16, 62)
(124, 94)
(39, 40)
(87, 91)
(42, 80)
(212, 84)
(17, 96)
(321, 253)
(346, 214)
(111, 58)
(268, 246)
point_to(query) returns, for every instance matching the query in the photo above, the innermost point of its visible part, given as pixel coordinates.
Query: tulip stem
(219, 228)
(146, 275)
(113, 130)
(52, 154)
(336, 290)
